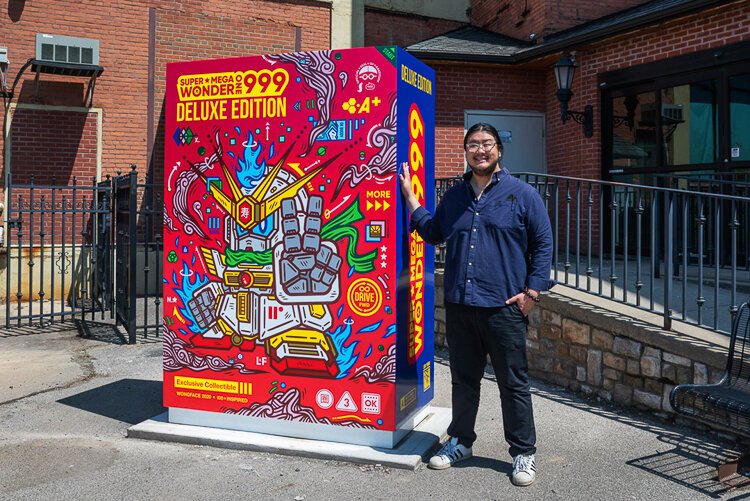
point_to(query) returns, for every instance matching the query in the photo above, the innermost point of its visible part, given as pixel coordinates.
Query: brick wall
(520, 19)
(203, 29)
(460, 87)
(572, 154)
(609, 355)
(186, 30)
(391, 28)
(51, 147)
(568, 13)
(47, 143)
(514, 19)
(471, 86)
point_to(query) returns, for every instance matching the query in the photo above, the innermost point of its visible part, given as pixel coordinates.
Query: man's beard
(484, 171)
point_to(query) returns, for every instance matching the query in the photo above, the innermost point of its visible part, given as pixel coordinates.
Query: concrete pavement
(67, 402)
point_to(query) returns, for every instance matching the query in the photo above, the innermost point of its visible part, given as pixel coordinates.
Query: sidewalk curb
(408, 454)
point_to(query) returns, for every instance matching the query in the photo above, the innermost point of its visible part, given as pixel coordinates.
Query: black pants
(472, 333)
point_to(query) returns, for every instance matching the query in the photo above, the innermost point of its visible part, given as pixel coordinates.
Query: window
(739, 117)
(689, 115)
(688, 123)
(634, 140)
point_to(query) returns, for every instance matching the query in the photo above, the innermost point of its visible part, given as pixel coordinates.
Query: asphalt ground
(66, 403)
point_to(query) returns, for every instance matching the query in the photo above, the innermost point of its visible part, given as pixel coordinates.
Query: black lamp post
(565, 69)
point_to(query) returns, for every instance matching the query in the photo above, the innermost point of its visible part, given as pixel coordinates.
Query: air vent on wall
(670, 114)
(64, 49)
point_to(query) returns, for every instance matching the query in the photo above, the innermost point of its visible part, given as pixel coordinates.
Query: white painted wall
(347, 24)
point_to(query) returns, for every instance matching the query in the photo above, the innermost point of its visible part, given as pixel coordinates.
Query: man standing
(498, 258)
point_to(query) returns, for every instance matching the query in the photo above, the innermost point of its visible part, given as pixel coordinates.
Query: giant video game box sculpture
(295, 300)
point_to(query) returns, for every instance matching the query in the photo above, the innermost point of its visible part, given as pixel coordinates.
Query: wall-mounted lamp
(631, 103)
(565, 69)
(4, 64)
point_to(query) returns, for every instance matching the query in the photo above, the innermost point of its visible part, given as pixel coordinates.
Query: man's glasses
(473, 147)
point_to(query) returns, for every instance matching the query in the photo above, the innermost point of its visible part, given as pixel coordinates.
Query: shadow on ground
(26, 329)
(128, 400)
(99, 331)
(96, 330)
(104, 332)
(692, 461)
(111, 333)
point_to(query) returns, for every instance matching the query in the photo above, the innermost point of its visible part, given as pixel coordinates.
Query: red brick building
(667, 83)
(52, 129)
(691, 58)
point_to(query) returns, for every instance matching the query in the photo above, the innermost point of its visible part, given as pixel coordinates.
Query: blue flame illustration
(370, 328)
(250, 166)
(187, 291)
(346, 357)
(391, 330)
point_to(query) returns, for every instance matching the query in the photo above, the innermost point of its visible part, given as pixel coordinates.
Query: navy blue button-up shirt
(495, 246)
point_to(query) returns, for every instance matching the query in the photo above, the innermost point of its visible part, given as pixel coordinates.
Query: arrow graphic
(369, 133)
(328, 212)
(268, 126)
(378, 206)
(312, 165)
(169, 180)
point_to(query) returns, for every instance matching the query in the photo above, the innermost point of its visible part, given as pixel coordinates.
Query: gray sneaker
(450, 453)
(524, 470)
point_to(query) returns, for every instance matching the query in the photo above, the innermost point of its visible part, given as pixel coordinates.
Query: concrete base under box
(408, 453)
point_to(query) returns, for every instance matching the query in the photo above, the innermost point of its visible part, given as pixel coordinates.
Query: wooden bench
(725, 404)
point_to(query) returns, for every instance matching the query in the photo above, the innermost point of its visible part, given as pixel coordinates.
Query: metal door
(522, 134)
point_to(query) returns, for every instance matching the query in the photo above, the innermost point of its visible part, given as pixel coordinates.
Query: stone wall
(605, 349)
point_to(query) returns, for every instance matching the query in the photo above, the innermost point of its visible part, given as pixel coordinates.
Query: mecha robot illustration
(278, 297)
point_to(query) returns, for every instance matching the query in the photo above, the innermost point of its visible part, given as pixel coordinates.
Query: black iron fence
(56, 252)
(64, 260)
(680, 252)
(94, 252)
(139, 214)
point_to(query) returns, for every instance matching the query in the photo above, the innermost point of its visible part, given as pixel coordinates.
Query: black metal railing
(681, 252)
(57, 258)
(727, 183)
(85, 252)
(441, 186)
(138, 243)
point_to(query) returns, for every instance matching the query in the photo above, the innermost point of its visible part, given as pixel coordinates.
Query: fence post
(668, 257)
(9, 191)
(132, 249)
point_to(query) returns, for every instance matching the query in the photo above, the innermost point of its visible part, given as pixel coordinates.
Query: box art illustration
(292, 287)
